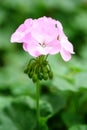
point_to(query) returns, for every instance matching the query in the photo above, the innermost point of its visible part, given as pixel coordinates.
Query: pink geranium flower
(43, 36)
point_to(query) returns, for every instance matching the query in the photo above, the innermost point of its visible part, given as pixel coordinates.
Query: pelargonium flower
(43, 36)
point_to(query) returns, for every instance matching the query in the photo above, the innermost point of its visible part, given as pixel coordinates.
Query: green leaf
(56, 102)
(45, 109)
(18, 116)
(81, 80)
(43, 125)
(62, 84)
(78, 127)
(5, 101)
(6, 123)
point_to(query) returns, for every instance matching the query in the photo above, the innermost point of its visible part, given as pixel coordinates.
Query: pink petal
(16, 37)
(54, 47)
(35, 49)
(28, 38)
(43, 51)
(31, 50)
(28, 23)
(67, 45)
(44, 29)
(18, 34)
(21, 28)
(31, 45)
(21, 31)
(65, 55)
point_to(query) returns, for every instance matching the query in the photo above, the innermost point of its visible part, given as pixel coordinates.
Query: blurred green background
(63, 101)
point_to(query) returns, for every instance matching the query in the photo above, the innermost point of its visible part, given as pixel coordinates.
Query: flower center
(43, 44)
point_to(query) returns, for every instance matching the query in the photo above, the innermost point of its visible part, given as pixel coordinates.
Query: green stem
(37, 103)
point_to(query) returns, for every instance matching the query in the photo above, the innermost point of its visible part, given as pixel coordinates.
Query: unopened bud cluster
(38, 69)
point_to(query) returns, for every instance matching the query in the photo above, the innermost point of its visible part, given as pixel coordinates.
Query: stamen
(58, 37)
(42, 45)
(56, 26)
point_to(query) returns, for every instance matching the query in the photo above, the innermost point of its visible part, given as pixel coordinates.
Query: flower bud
(38, 69)
(50, 74)
(40, 76)
(44, 69)
(45, 63)
(45, 76)
(34, 78)
(26, 70)
(30, 74)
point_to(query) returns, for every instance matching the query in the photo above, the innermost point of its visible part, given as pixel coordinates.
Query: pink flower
(43, 36)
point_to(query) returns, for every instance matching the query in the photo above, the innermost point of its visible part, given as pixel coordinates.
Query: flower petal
(16, 37)
(31, 45)
(18, 34)
(21, 31)
(44, 29)
(32, 50)
(65, 54)
(67, 45)
(54, 47)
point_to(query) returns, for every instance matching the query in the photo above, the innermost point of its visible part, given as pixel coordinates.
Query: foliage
(63, 100)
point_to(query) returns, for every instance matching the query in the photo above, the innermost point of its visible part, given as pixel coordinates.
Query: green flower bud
(31, 69)
(26, 70)
(40, 76)
(50, 73)
(30, 74)
(34, 78)
(44, 69)
(45, 76)
(45, 63)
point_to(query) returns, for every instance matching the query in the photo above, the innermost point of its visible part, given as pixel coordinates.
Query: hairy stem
(37, 103)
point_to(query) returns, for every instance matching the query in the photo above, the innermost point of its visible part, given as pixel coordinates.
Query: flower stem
(37, 103)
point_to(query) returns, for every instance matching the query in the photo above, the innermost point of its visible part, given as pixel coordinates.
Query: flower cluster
(39, 69)
(43, 36)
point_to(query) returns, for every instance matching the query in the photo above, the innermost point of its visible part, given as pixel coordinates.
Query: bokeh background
(63, 100)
